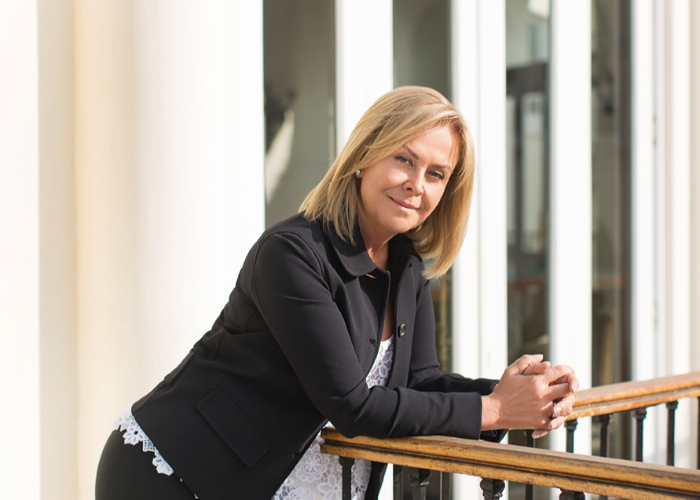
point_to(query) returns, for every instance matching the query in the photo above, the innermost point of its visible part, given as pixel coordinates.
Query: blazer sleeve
(293, 296)
(425, 373)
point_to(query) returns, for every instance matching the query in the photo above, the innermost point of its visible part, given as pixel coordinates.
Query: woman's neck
(377, 245)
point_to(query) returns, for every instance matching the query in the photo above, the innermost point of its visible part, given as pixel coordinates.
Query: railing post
(571, 495)
(604, 440)
(346, 464)
(492, 488)
(529, 489)
(445, 486)
(398, 482)
(419, 480)
(640, 414)
(671, 432)
(570, 429)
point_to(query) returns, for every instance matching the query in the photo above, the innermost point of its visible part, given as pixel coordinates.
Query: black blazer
(290, 351)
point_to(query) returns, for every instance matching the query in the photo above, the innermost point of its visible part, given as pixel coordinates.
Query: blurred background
(146, 144)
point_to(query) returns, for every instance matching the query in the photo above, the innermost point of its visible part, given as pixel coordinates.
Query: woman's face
(400, 191)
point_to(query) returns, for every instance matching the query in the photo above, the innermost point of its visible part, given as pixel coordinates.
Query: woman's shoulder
(296, 227)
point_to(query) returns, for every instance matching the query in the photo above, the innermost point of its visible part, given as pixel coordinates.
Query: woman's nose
(414, 183)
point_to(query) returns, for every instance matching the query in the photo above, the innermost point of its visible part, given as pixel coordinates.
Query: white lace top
(317, 476)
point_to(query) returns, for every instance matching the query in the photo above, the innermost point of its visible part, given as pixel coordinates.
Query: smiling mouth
(404, 205)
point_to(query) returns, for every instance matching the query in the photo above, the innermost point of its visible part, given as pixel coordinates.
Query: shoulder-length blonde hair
(395, 119)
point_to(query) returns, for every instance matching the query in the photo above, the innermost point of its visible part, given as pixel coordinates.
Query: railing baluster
(639, 415)
(698, 462)
(398, 482)
(492, 488)
(604, 434)
(604, 440)
(346, 464)
(671, 432)
(419, 479)
(529, 489)
(570, 429)
(445, 486)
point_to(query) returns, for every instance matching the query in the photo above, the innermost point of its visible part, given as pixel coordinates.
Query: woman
(324, 299)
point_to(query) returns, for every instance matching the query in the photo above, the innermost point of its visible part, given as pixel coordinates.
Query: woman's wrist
(490, 413)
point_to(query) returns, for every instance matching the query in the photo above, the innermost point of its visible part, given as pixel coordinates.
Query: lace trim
(318, 476)
(135, 435)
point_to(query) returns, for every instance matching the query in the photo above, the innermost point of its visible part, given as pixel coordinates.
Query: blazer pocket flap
(233, 424)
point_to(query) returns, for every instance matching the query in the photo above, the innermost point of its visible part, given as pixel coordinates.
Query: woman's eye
(437, 174)
(404, 160)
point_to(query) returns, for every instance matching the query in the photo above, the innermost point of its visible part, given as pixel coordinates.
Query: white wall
(19, 251)
(170, 189)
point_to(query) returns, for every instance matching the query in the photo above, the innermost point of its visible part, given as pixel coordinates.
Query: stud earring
(358, 173)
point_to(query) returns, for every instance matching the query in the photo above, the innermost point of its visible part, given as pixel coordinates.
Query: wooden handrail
(604, 476)
(631, 395)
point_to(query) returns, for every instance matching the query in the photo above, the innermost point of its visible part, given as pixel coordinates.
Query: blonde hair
(392, 121)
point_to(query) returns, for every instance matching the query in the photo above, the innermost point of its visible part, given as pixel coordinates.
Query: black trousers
(126, 472)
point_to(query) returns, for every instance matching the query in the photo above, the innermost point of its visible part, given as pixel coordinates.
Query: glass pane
(610, 107)
(299, 53)
(422, 57)
(527, 177)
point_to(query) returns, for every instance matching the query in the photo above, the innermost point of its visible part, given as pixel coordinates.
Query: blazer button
(402, 330)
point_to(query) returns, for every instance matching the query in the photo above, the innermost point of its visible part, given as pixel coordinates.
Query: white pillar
(58, 253)
(677, 210)
(570, 194)
(642, 189)
(480, 301)
(364, 59)
(19, 251)
(646, 146)
(695, 205)
(695, 183)
(170, 188)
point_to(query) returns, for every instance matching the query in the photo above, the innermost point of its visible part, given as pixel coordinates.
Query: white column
(643, 182)
(570, 194)
(58, 253)
(695, 182)
(677, 209)
(480, 302)
(695, 204)
(364, 59)
(170, 188)
(364, 62)
(19, 251)
(646, 144)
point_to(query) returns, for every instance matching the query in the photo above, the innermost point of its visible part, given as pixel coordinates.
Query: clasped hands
(530, 395)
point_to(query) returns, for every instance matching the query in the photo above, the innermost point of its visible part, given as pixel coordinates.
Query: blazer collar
(356, 260)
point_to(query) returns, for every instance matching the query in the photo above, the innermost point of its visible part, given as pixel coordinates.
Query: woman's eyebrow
(448, 168)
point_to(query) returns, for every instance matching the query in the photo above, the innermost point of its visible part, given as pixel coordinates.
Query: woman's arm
(291, 291)
(529, 393)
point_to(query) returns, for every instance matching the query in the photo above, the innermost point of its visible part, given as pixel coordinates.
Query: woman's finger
(565, 406)
(561, 373)
(539, 433)
(537, 369)
(522, 363)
